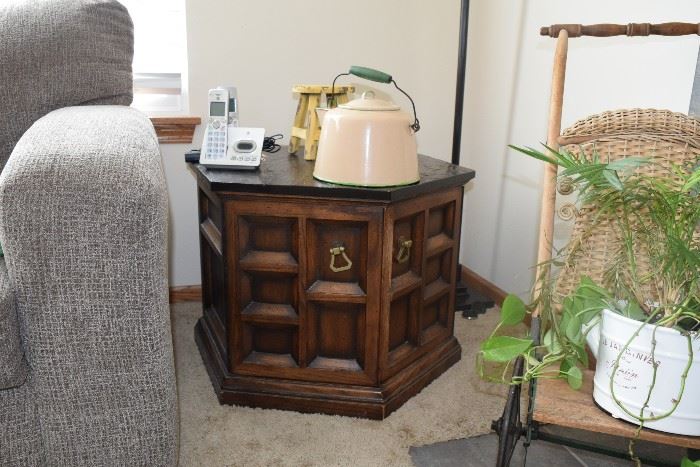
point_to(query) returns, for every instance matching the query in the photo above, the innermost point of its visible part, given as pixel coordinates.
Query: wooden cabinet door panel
(336, 336)
(212, 266)
(401, 298)
(263, 281)
(418, 290)
(295, 317)
(342, 306)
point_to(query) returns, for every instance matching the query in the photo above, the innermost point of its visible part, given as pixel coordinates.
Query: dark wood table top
(284, 174)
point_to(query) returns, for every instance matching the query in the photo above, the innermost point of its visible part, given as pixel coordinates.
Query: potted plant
(641, 317)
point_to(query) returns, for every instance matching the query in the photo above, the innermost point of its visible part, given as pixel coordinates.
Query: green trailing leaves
(591, 299)
(504, 348)
(688, 463)
(573, 329)
(570, 321)
(551, 342)
(633, 311)
(574, 376)
(566, 364)
(513, 310)
(580, 352)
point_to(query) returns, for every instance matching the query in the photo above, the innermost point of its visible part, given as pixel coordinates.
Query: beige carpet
(456, 405)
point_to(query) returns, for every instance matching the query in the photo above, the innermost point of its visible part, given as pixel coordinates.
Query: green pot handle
(380, 77)
(370, 74)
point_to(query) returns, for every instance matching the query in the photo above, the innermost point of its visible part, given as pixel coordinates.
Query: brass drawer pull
(404, 250)
(339, 250)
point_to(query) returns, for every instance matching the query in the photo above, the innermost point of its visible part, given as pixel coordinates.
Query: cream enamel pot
(368, 141)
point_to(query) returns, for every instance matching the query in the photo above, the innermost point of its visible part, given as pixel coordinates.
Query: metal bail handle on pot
(379, 77)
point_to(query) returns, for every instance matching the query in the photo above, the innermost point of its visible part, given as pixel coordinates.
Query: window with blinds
(160, 55)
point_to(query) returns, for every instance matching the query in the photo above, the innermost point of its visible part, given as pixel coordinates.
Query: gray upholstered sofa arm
(83, 222)
(13, 368)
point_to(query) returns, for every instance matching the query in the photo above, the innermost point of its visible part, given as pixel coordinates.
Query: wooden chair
(666, 137)
(306, 126)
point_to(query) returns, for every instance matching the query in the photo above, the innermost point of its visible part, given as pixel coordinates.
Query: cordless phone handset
(232, 105)
(215, 134)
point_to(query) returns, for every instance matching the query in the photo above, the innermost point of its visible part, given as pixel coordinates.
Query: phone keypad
(216, 141)
(248, 160)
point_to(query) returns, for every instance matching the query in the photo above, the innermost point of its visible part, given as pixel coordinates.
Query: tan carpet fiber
(456, 405)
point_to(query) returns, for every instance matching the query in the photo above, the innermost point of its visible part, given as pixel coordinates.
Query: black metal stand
(509, 428)
(471, 304)
(461, 72)
(552, 437)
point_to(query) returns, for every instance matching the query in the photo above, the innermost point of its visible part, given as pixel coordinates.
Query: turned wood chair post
(549, 184)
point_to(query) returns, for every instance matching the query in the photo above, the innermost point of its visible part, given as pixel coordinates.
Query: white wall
(268, 46)
(602, 74)
(265, 47)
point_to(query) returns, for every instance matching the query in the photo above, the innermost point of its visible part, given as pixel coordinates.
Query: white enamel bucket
(634, 375)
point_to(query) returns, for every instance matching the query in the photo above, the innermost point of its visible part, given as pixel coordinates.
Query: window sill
(175, 130)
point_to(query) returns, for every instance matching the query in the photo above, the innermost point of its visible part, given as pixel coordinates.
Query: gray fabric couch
(86, 360)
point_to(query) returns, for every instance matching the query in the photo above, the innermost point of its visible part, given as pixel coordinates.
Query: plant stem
(684, 376)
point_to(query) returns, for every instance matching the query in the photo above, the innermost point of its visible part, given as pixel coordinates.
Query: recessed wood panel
(213, 302)
(336, 332)
(219, 300)
(430, 315)
(271, 345)
(215, 213)
(434, 318)
(273, 234)
(403, 326)
(403, 320)
(438, 267)
(441, 220)
(271, 340)
(203, 204)
(213, 272)
(210, 210)
(206, 271)
(399, 318)
(263, 287)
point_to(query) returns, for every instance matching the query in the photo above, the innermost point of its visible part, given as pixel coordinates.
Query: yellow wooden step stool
(306, 125)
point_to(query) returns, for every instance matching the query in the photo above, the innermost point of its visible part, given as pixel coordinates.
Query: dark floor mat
(481, 451)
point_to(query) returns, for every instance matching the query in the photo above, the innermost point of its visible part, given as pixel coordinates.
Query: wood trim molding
(173, 130)
(483, 286)
(187, 293)
(191, 293)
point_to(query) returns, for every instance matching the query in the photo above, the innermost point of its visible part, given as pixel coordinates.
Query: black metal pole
(471, 304)
(461, 72)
